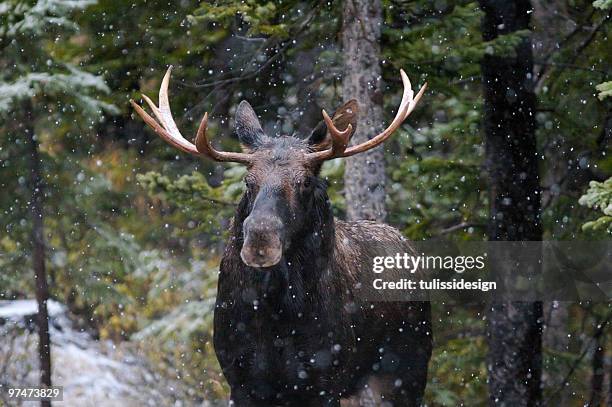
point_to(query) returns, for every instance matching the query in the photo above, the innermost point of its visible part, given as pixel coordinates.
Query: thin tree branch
(587, 41)
(571, 66)
(560, 46)
(232, 81)
(585, 351)
(460, 226)
(252, 74)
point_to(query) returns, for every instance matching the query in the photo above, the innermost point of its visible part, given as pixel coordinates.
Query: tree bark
(364, 175)
(38, 252)
(609, 370)
(554, 337)
(514, 329)
(598, 372)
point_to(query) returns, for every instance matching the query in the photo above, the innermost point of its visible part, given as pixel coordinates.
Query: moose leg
(410, 395)
(404, 387)
(400, 377)
(249, 402)
(403, 359)
(317, 402)
(384, 391)
(241, 398)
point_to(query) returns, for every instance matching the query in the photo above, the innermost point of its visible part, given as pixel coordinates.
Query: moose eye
(306, 184)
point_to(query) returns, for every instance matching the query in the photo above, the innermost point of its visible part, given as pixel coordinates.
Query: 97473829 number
(54, 393)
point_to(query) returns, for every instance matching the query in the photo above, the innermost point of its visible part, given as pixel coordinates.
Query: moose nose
(262, 245)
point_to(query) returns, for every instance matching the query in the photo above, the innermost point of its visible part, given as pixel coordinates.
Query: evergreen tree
(35, 85)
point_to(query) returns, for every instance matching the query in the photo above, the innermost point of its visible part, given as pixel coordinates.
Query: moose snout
(262, 245)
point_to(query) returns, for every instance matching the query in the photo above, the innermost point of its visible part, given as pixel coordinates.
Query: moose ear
(346, 114)
(247, 126)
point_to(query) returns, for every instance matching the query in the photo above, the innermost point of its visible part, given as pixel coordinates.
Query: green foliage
(461, 363)
(605, 90)
(603, 4)
(451, 46)
(204, 208)
(438, 184)
(599, 197)
(261, 17)
(10, 277)
(457, 368)
(40, 72)
(177, 325)
(38, 17)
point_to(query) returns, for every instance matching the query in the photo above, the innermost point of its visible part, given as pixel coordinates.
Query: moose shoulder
(289, 328)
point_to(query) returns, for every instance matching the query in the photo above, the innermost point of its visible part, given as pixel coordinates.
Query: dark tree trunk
(556, 317)
(514, 329)
(364, 176)
(609, 369)
(38, 252)
(597, 364)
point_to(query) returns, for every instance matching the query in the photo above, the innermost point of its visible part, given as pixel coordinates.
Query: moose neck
(304, 262)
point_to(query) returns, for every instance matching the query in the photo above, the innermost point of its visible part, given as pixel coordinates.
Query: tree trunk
(556, 317)
(38, 252)
(364, 175)
(514, 329)
(609, 370)
(597, 364)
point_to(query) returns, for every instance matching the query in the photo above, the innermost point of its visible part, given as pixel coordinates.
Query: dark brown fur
(297, 333)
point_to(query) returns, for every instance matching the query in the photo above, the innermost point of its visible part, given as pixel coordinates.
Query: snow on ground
(18, 309)
(93, 373)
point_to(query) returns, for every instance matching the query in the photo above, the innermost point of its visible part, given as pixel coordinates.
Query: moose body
(291, 326)
(299, 334)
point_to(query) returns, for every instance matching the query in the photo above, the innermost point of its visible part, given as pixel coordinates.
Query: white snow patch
(18, 309)
(93, 373)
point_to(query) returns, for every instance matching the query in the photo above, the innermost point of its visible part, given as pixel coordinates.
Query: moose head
(283, 188)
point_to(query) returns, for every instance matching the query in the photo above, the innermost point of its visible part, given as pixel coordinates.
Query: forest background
(132, 230)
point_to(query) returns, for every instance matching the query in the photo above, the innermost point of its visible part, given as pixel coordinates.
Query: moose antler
(166, 128)
(340, 138)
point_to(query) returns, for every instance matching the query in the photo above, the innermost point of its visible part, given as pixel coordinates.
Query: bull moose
(290, 328)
